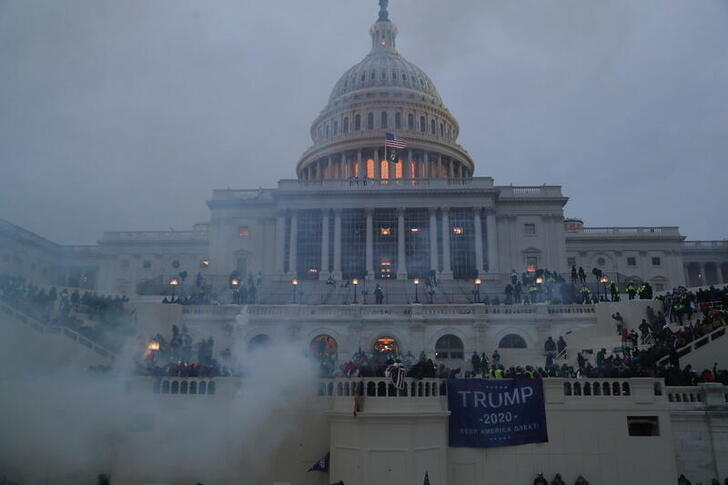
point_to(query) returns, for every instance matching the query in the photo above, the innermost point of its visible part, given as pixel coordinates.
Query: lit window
(415, 230)
(386, 344)
(656, 262)
(244, 232)
(385, 231)
(204, 263)
(458, 231)
(530, 229)
(631, 261)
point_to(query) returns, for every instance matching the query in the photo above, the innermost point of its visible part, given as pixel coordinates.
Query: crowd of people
(99, 318)
(557, 480)
(178, 356)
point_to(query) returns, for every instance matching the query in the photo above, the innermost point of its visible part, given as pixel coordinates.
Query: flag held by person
(392, 143)
(322, 465)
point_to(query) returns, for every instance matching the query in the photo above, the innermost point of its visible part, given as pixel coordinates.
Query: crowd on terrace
(178, 356)
(99, 318)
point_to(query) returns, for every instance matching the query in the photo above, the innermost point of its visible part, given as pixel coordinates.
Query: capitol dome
(384, 94)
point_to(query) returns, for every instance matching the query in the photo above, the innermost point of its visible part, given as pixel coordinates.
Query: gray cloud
(125, 115)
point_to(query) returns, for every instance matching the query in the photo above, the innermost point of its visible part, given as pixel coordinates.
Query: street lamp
(294, 285)
(604, 280)
(174, 283)
(355, 282)
(478, 282)
(235, 286)
(417, 285)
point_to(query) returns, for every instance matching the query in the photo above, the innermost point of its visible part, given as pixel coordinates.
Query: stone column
(370, 245)
(292, 249)
(492, 237)
(478, 239)
(337, 244)
(401, 250)
(377, 165)
(362, 174)
(410, 165)
(446, 266)
(434, 263)
(324, 273)
(280, 243)
(451, 169)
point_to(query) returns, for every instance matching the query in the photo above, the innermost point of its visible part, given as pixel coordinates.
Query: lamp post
(478, 282)
(604, 280)
(235, 287)
(355, 283)
(539, 283)
(417, 285)
(294, 285)
(174, 283)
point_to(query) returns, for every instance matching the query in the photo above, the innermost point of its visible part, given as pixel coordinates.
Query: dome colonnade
(384, 93)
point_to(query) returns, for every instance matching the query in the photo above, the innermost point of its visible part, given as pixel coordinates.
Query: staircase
(23, 334)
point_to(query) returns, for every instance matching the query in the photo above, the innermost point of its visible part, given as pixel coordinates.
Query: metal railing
(40, 327)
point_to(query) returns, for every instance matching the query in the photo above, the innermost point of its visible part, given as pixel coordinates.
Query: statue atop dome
(383, 12)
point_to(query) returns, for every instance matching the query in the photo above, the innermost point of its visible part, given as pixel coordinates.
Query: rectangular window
(656, 262)
(385, 122)
(462, 243)
(147, 264)
(398, 121)
(643, 425)
(532, 261)
(308, 245)
(411, 121)
(243, 232)
(571, 262)
(530, 229)
(417, 242)
(632, 261)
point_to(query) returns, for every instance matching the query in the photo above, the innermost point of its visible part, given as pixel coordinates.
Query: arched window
(357, 122)
(433, 127)
(449, 347)
(370, 121)
(324, 346)
(346, 125)
(512, 341)
(423, 124)
(259, 342)
(385, 120)
(442, 129)
(386, 345)
(411, 121)
(336, 128)
(394, 75)
(327, 130)
(398, 121)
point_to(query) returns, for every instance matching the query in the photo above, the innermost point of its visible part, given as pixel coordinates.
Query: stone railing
(184, 385)
(512, 192)
(40, 327)
(597, 388)
(454, 311)
(224, 311)
(702, 396)
(154, 236)
(697, 343)
(384, 184)
(382, 387)
(667, 231)
(707, 245)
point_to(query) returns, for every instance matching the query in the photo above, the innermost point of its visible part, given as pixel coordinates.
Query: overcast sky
(125, 114)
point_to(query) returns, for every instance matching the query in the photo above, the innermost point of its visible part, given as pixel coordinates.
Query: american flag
(393, 141)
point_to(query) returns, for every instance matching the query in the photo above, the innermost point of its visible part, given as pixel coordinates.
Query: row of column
(446, 272)
(702, 277)
(340, 167)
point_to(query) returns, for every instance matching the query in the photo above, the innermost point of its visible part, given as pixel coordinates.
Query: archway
(512, 341)
(449, 347)
(324, 347)
(258, 342)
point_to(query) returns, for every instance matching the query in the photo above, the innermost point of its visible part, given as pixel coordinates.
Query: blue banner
(499, 412)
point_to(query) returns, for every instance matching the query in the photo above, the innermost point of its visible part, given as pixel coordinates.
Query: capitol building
(385, 200)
